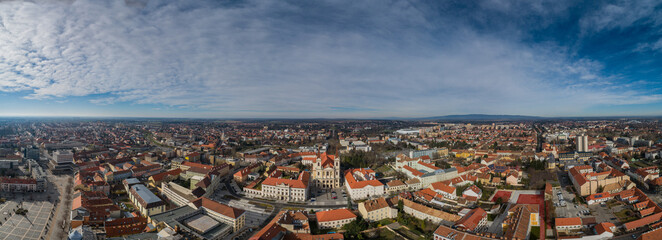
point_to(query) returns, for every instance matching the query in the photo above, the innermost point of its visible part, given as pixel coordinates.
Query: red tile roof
(655, 234)
(428, 194)
(218, 207)
(300, 182)
(158, 177)
(642, 221)
(472, 219)
(354, 183)
(413, 171)
(327, 160)
(604, 227)
(647, 211)
(334, 215)
(597, 196)
(197, 165)
(575, 221)
(433, 167)
(442, 187)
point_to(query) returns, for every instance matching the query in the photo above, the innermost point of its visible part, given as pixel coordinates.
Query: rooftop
(178, 217)
(333, 215)
(145, 194)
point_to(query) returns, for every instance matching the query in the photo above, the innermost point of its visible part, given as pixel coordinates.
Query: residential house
(568, 226)
(445, 190)
(472, 193)
(474, 221)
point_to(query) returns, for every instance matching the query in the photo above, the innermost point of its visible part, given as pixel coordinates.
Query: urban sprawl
(330, 179)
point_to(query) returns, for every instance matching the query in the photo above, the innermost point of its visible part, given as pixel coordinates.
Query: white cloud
(273, 58)
(622, 14)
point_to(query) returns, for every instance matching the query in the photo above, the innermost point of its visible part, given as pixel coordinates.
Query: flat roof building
(204, 218)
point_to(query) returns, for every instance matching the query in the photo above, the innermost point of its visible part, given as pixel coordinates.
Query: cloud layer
(302, 59)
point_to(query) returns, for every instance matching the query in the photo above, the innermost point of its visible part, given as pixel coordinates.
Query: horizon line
(457, 117)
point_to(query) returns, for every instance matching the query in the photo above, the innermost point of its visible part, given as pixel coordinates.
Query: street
(61, 190)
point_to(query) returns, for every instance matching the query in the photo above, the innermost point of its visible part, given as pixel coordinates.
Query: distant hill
(483, 117)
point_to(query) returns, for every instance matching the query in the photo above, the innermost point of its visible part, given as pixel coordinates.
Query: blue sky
(309, 59)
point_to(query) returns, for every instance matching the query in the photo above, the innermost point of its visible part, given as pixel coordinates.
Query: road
(60, 187)
(496, 226)
(629, 235)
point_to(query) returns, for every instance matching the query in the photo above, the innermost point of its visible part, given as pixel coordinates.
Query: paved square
(30, 226)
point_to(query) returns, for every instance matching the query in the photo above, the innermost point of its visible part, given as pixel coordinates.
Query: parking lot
(565, 207)
(31, 226)
(603, 213)
(326, 198)
(563, 200)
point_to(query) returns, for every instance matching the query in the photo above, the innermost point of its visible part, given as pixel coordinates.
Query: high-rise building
(582, 143)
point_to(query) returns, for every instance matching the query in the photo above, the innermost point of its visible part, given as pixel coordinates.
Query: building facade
(377, 209)
(335, 218)
(587, 181)
(361, 183)
(582, 143)
(326, 172)
(281, 187)
(147, 203)
(18, 185)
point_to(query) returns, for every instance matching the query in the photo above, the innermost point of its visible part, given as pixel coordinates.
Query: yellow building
(376, 210)
(464, 154)
(326, 172)
(147, 203)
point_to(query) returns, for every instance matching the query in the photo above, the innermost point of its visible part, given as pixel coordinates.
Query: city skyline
(368, 59)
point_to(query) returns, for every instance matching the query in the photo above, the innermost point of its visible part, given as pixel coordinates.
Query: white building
(445, 190)
(64, 156)
(426, 173)
(472, 193)
(361, 183)
(582, 143)
(361, 146)
(279, 188)
(179, 195)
